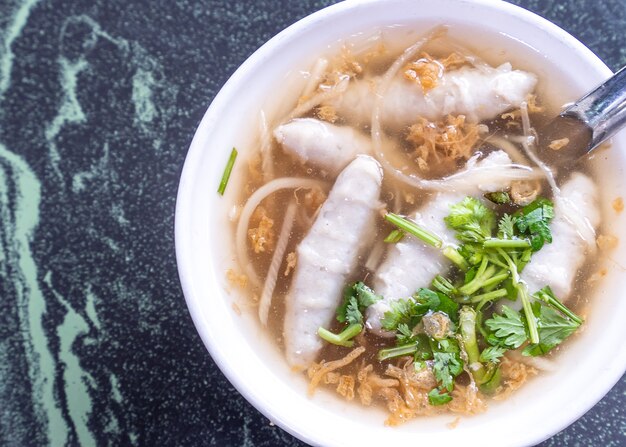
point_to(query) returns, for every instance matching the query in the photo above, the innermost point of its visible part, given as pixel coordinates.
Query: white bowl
(585, 371)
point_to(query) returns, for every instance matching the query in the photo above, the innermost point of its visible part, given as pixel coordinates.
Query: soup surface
(398, 235)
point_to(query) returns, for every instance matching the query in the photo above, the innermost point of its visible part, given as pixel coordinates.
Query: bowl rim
(184, 207)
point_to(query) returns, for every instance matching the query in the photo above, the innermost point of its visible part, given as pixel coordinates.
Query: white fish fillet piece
(479, 93)
(322, 145)
(557, 263)
(327, 255)
(410, 263)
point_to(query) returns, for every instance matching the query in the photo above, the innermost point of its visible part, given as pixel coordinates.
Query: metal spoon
(587, 123)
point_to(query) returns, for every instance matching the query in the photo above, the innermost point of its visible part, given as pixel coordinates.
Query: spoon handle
(603, 110)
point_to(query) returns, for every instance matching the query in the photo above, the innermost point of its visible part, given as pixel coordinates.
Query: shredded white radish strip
(507, 146)
(362, 47)
(468, 179)
(246, 213)
(527, 142)
(315, 76)
(266, 148)
(584, 228)
(373, 260)
(319, 99)
(277, 259)
(540, 363)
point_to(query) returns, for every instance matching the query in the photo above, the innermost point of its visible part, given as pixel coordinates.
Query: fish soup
(397, 235)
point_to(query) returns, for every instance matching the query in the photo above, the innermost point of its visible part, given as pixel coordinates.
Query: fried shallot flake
(343, 67)
(514, 375)
(597, 275)
(255, 171)
(607, 242)
(237, 279)
(345, 387)
(618, 205)
(427, 71)
(515, 116)
(291, 262)
(262, 237)
(557, 145)
(444, 142)
(326, 113)
(402, 389)
(313, 199)
(531, 104)
(318, 371)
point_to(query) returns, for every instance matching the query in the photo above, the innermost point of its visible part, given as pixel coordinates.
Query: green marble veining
(17, 23)
(69, 111)
(75, 378)
(68, 416)
(31, 302)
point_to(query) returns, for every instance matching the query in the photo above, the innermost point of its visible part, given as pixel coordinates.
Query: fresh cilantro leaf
(511, 290)
(534, 221)
(448, 306)
(547, 296)
(436, 397)
(498, 197)
(404, 334)
(400, 312)
(411, 310)
(356, 298)
(353, 314)
(509, 328)
(419, 365)
(365, 295)
(506, 227)
(348, 294)
(492, 354)
(423, 351)
(553, 329)
(472, 220)
(446, 366)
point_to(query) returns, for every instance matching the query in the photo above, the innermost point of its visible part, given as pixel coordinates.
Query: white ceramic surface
(585, 371)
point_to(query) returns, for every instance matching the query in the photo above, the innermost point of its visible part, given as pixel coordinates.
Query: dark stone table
(98, 104)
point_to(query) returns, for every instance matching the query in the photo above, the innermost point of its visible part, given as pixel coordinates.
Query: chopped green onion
(399, 351)
(467, 323)
(495, 279)
(443, 285)
(343, 338)
(227, 170)
(414, 229)
(506, 243)
(489, 296)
